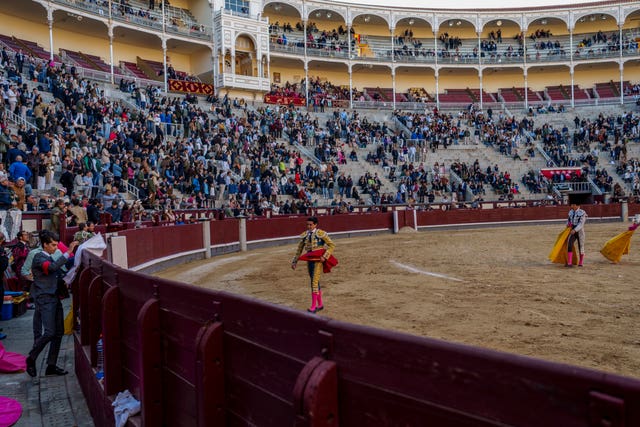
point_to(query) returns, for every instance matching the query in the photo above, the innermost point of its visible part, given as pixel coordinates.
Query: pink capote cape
(11, 362)
(10, 411)
(317, 256)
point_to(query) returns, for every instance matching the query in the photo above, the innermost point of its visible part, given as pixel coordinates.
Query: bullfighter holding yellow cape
(619, 245)
(558, 254)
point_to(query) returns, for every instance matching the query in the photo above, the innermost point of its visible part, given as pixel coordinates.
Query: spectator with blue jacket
(19, 169)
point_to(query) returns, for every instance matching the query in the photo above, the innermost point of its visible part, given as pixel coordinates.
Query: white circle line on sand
(426, 273)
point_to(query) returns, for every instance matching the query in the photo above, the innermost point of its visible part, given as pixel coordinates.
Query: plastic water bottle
(100, 367)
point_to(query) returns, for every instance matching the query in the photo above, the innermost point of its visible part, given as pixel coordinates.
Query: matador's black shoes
(31, 367)
(55, 370)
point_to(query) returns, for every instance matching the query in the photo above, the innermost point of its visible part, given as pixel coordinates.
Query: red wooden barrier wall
(197, 357)
(224, 232)
(146, 244)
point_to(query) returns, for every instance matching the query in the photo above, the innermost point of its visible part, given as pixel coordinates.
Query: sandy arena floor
(491, 287)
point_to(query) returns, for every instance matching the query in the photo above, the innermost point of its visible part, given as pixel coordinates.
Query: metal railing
(402, 127)
(546, 156)
(131, 189)
(310, 154)
(456, 178)
(568, 186)
(230, 12)
(380, 52)
(18, 120)
(173, 17)
(594, 187)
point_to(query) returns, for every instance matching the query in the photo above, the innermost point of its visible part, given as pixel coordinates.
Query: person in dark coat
(45, 293)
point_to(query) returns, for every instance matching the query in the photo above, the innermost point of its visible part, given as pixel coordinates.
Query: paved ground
(46, 401)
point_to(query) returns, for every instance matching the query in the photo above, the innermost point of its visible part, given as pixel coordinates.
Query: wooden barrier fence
(197, 357)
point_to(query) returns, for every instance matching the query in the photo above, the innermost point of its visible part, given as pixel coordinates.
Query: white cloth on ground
(124, 406)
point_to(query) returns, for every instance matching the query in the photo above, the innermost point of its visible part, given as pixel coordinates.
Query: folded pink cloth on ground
(10, 411)
(11, 362)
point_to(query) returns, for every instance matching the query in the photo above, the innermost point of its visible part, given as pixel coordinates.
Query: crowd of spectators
(629, 170)
(435, 128)
(603, 137)
(175, 154)
(333, 40)
(322, 93)
(452, 47)
(475, 178)
(172, 153)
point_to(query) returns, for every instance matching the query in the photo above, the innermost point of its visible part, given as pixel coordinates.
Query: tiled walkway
(46, 401)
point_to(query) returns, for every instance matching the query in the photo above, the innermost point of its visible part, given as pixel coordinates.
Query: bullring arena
(488, 287)
(198, 135)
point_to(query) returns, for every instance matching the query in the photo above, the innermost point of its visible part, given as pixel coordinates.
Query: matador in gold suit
(313, 239)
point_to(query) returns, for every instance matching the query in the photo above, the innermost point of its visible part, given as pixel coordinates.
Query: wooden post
(150, 361)
(210, 376)
(111, 340)
(95, 316)
(83, 304)
(315, 394)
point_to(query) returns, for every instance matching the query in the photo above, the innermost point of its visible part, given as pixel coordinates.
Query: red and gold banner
(284, 100)
(191, 87)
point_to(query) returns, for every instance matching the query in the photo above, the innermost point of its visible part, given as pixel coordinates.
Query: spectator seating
(89, 61)
(134, 69)
(578, 93)
(510, 95)
(556, 93)
(387, 94)
(608, 90)
(486, 96)
(516, 94)
(563, 93)
(376, 94)
(157, 69)
(456, 96)
(419, 93)
(28, 47)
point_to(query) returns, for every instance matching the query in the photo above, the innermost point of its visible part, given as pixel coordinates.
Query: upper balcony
(508, 51)
(171, 20)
